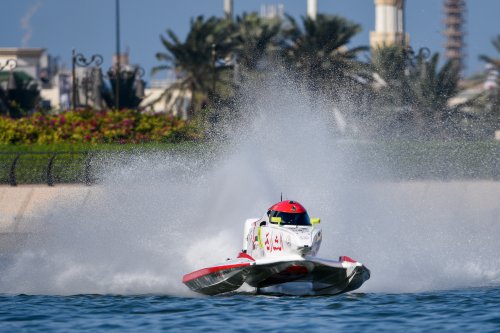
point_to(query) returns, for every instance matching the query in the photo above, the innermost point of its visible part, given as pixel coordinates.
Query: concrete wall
(20, 205)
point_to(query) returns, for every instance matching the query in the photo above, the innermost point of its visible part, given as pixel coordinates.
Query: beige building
(389, 24)
(29, 61)
(36, 63)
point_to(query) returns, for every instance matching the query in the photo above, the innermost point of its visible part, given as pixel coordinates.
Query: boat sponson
(218, 279)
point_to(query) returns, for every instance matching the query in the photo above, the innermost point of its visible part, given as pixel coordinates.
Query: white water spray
(157, 216)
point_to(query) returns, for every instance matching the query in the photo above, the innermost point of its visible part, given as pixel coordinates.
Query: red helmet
(288, 212)
(288, 206)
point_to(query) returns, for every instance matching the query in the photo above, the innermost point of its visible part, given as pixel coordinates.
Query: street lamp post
(11, 84)
(13, 65)
(80, 61)
(214, 54)
(413, 57)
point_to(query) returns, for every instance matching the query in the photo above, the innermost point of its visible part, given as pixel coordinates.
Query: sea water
(465, 310)
(116, 261)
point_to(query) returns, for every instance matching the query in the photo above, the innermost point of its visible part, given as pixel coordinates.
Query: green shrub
(89, 126)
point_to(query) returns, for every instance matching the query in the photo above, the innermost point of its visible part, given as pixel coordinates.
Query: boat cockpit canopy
(281, 218)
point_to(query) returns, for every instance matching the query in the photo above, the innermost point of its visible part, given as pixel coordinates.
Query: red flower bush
(125, 126)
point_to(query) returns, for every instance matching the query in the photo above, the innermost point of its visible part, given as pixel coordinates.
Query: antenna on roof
(281, 196)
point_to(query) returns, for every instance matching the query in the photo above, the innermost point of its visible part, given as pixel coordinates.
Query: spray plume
(157, 216)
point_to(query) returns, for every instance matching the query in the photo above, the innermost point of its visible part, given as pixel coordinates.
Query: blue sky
(89, 25)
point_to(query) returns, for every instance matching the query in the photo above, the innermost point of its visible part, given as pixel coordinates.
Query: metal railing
(46, 168)
(393, 164)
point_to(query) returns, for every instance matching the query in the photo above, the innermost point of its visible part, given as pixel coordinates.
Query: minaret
(454, 11)
(312, 9)
(228, 9)
(389, 24)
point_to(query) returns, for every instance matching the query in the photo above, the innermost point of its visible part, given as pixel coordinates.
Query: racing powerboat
(279, 257)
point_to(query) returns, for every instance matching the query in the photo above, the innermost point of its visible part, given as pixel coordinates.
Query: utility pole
(117, 73)
(73, 78)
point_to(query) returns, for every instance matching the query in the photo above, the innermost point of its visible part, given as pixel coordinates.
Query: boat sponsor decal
(252, 239)
(274, 242)
(303, 233)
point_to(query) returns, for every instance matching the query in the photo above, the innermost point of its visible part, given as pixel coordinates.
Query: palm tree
(21, 98)
(432, 87)
(194, 59)
(318, 52)
(493, 61)
(390, 66)
(254, 38)
(490, 101)
(412, 89)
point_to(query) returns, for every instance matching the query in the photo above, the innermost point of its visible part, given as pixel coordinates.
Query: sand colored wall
(20, 205)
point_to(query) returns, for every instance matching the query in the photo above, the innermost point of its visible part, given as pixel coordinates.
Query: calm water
(460, 310)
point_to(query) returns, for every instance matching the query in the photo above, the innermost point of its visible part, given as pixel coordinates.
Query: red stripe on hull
(209, 270)
(244, 255)
(295, 269)
(348, 259)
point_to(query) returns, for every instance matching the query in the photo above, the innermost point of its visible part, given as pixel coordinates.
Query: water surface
(454, 311)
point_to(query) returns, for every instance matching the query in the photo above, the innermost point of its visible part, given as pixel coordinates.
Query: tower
(389, 24)
(454, 32)
(228, 9)
(312, 9)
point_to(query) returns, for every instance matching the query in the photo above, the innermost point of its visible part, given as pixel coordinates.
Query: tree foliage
(90, 126)
(254, 39)
(318, 50)
(22, 99)
(193, 59)
(414, 88)
(494, 61)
